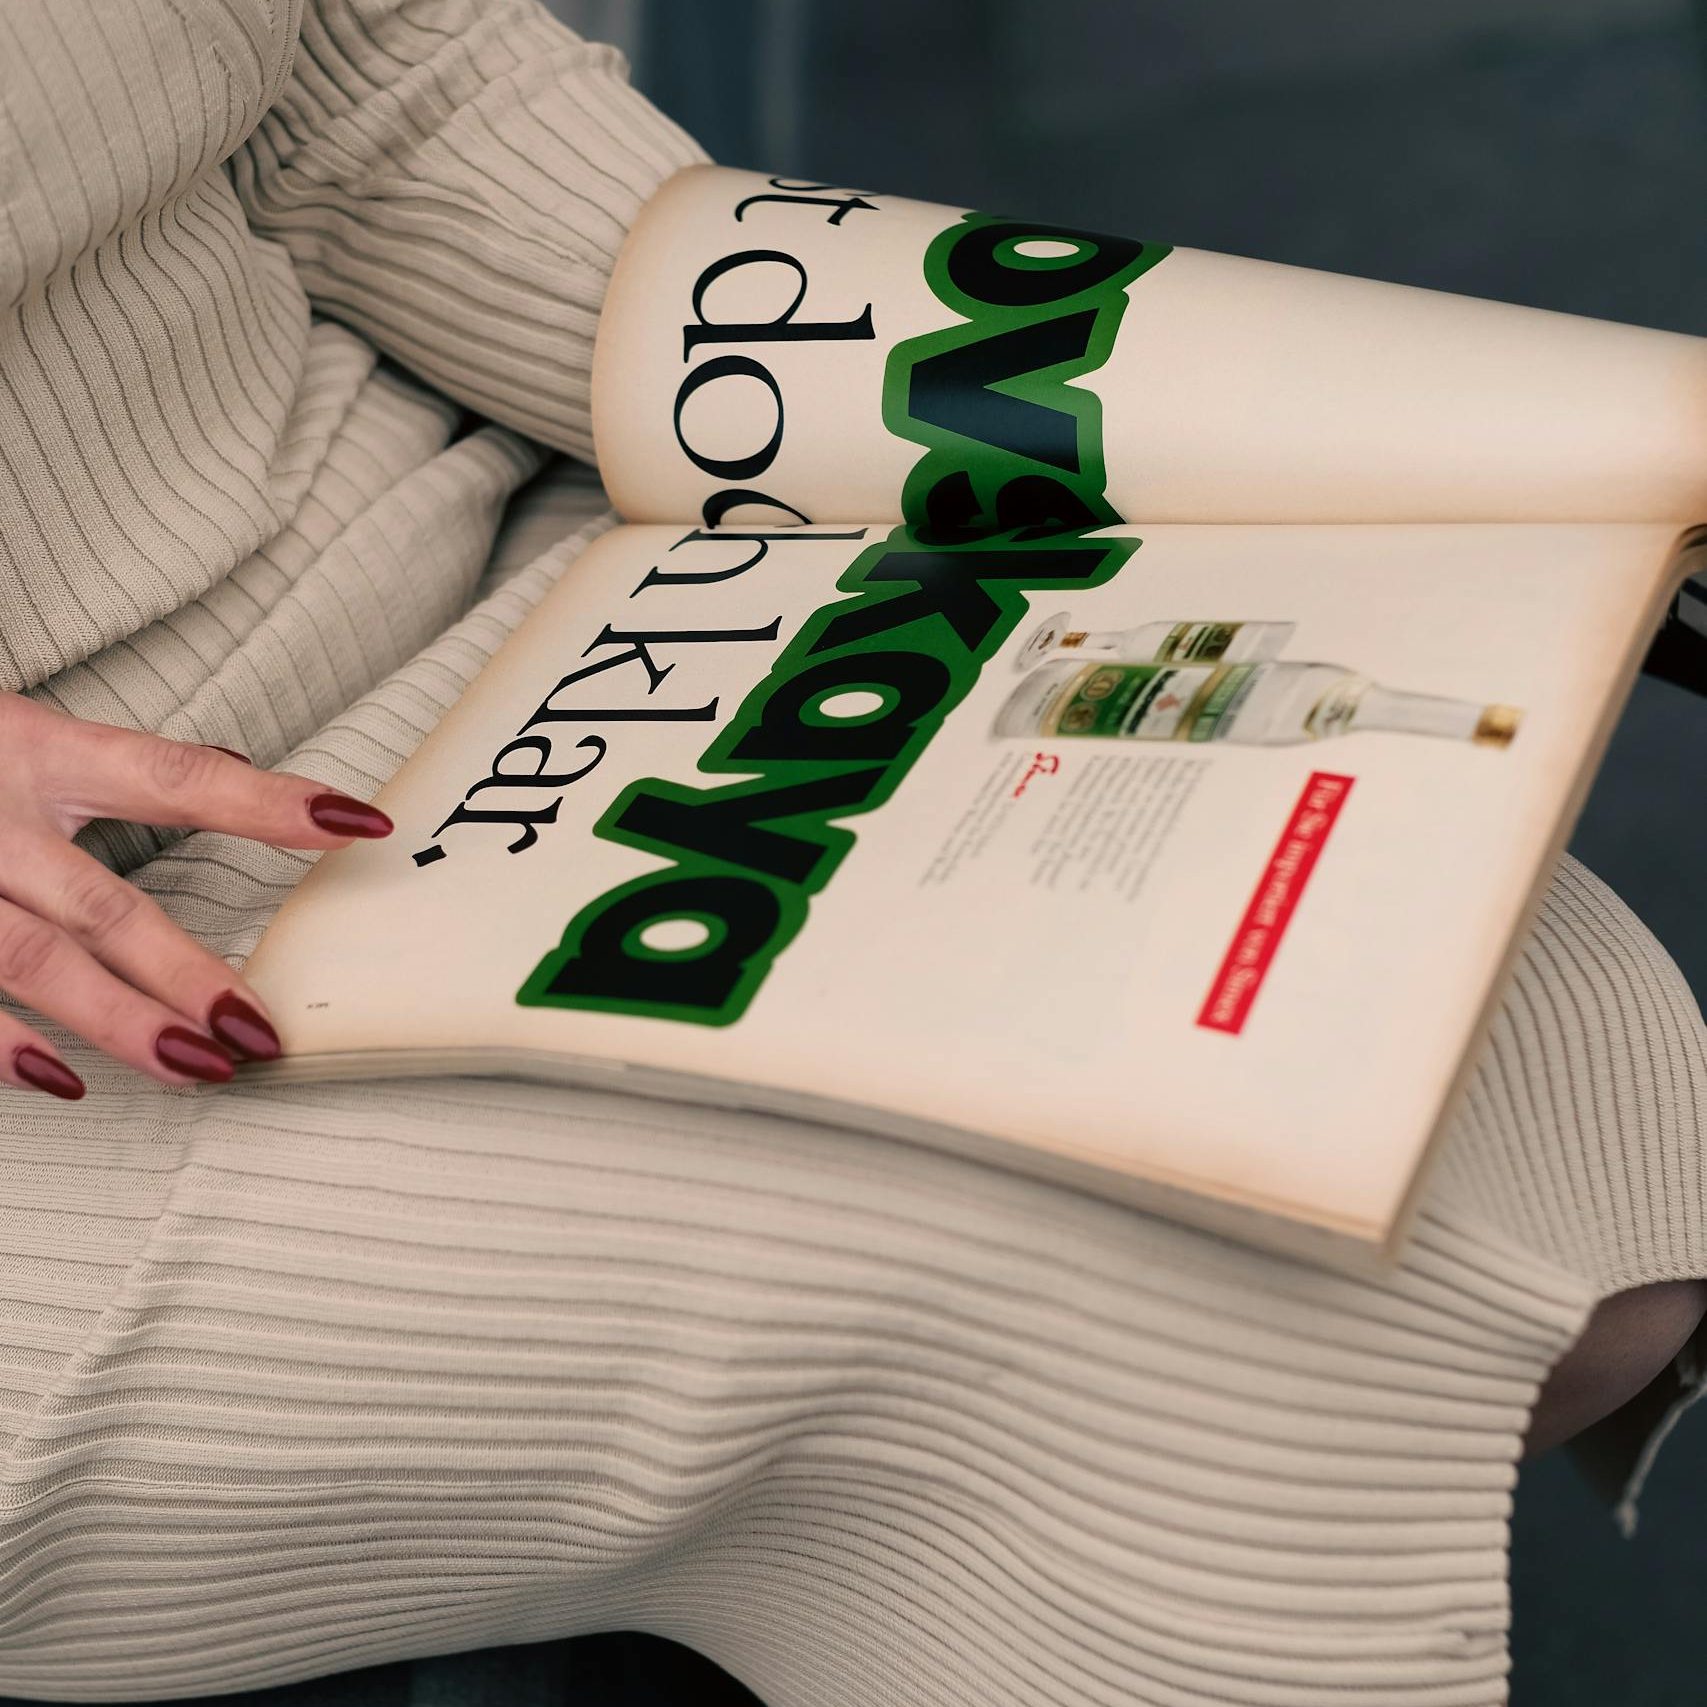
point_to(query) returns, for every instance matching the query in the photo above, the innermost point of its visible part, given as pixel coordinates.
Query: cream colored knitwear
(295, 1380)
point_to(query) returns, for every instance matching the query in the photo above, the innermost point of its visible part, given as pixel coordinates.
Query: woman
(297, 1380)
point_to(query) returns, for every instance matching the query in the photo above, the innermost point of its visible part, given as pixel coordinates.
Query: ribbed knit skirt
(294, 1380)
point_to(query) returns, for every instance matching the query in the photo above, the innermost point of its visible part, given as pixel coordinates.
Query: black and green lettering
(1010, 480)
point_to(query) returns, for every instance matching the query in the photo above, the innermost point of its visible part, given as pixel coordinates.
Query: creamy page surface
(1234, 390)
(1022, 939)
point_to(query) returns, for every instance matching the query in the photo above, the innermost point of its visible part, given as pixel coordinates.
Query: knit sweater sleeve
(452, 178)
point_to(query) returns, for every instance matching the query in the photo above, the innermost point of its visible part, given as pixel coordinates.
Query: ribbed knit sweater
(294, 1380)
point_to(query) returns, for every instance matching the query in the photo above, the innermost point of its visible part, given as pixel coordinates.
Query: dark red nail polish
(186, 1051)
(342, 816)
(242, 1029)
(230, 753)
(36, 1067)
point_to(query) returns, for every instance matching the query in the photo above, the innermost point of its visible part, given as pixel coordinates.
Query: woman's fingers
(124, 930)
(43, 968)
(85, 770)
(30, 1063)
(90, 951)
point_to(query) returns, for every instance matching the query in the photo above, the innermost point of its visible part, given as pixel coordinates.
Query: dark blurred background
(1551, 152)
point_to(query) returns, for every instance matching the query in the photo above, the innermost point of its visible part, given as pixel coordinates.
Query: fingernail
(241, 758)
(36, 1067)
(186, 1051)
(342, 816)
(243, 1029)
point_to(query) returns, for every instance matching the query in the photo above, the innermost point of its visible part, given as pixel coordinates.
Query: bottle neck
(1416, 713)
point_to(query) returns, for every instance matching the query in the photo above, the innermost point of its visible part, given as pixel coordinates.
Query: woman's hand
(86, 948)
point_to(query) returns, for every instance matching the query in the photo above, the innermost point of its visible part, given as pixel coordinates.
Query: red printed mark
(1257, 939)
(1042, 764)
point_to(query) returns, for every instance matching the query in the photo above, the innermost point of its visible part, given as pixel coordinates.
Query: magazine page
(776, 349)
(1181, 865)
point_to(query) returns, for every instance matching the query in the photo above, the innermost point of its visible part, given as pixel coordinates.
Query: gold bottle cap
(1497, 725)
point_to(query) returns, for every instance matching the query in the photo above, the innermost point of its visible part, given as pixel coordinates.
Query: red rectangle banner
(1228, 1003)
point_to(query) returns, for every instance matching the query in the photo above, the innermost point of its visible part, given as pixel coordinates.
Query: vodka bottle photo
(1265, 703)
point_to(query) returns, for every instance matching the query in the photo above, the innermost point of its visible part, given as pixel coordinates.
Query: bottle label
(1219, 713)
(1137, 702)
(1332, 714)
(1192, 642)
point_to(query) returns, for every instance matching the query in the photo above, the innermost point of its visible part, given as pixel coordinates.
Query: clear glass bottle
(1198, 641)
(1263, 704)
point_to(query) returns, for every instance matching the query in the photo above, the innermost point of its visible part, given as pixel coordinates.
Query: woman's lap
(408, 1368)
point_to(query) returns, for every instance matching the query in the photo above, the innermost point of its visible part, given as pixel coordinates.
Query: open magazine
(1105, 710)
